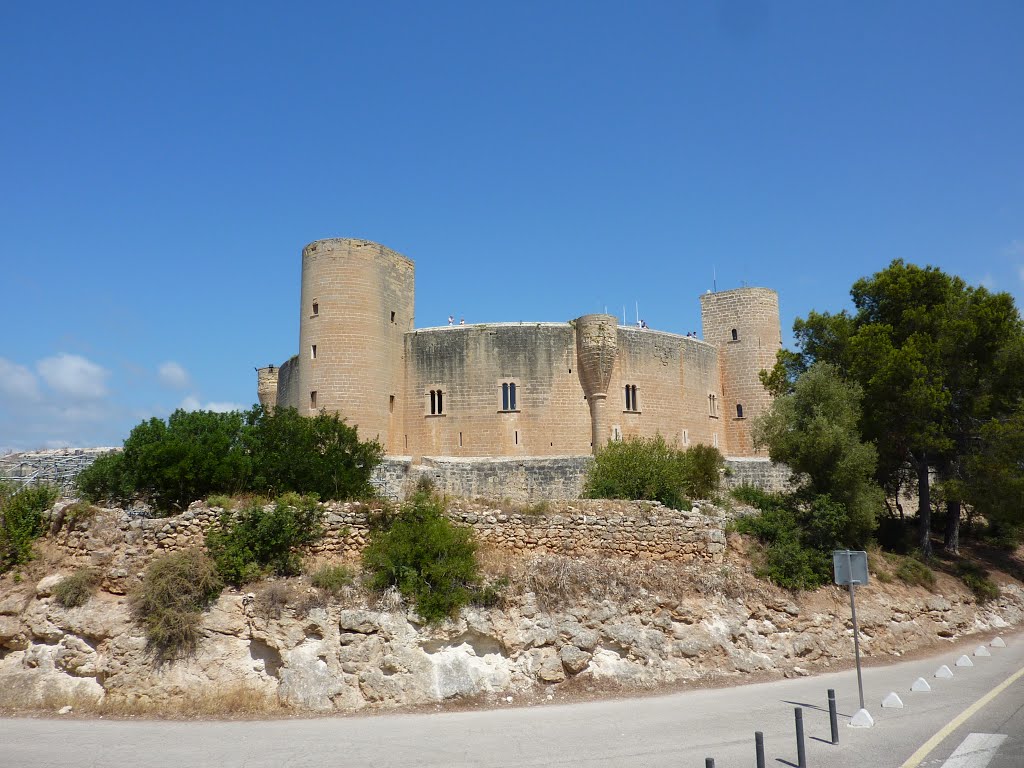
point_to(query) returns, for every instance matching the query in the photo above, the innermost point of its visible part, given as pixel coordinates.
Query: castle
(515, 389)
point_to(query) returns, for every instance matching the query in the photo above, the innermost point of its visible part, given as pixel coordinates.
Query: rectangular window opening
(517, 437)
(391, 404)
(312, 351)
(460, 439)
(392, 316)
(312, 399)
(316, 307)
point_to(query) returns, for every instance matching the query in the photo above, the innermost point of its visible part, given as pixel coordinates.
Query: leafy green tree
(815, 430)
(994, 474)
(309, 454)
(429, 559)
(932, 357)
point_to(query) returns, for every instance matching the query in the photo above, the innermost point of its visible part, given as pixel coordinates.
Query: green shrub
(431, 561)
(21, 521)
(702, 471)
(915, 573)
(76, 589)
(977, 580)
(309, 454)
(256, 540)
(105, 480)
(198, 454)
(799, 536)
(331, 578)
(175, 590)
(219, 500)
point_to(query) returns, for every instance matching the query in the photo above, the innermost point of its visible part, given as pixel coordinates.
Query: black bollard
(801, 754)
(759, 748)
(832, 717)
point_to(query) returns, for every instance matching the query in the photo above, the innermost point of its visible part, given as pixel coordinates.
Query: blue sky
(163, 165)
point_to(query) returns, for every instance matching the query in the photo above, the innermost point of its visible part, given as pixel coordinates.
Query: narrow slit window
(392, 316)
(739, 411)
(316, 308)
(735, 336)
(312, 351)
(460, 439)
(517, 435)
(312, 399)
(686, 437)
(391, 404)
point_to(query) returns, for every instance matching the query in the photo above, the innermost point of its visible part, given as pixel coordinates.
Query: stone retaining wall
(641, 529)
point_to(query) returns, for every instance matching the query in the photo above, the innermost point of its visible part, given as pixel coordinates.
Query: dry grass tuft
(560, 581)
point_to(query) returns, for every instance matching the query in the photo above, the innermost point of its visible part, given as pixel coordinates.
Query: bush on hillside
(175, 590)
(198, 454)
(429, 559)
(651, 469)
(977, 580)
(21, 521)
(76, 589)
(798, 534)
(318, 454)
(258, 540)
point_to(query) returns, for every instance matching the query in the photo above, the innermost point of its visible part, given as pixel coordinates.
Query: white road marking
(976, 751)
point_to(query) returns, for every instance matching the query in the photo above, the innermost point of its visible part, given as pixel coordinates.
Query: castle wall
(744, 325)
(357, 304)
(673, 376)
(469, 365)
(288, 383)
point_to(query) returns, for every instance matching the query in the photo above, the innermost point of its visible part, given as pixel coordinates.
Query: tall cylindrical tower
(357, 304)
(597, 339)
(744, 325)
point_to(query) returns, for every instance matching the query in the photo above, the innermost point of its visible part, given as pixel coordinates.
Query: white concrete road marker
(892, 701)
(981, 650)
(861, 719)
(976, 751)
(920, 685)
(964, 661)
(999, 643)
(944, 673)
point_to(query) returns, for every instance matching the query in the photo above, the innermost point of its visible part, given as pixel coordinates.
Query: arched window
(735, 336)
(508, 396)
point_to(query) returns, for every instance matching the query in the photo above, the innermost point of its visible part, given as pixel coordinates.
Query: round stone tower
(357, 303)
(744, 325)
(597, 339)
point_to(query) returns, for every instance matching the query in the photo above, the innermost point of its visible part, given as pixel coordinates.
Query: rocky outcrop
(352, 654)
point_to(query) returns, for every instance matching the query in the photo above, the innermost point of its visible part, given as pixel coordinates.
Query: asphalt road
(675, 730)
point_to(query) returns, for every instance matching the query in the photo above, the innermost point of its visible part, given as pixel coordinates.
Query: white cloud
(223, 407)
(74, 376)
(192, 403)
(17, 381)
(173, 375)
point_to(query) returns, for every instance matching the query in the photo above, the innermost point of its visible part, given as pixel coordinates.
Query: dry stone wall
(581, 528)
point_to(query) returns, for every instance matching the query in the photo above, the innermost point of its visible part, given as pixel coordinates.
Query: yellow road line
(916, 758)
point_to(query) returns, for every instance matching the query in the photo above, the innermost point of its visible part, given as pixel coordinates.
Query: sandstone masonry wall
(586, 527)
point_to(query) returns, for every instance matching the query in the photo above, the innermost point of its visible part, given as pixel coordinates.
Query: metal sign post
(851, 569)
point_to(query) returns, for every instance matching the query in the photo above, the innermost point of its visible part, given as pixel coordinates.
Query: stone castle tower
(356, 305)
(744, 325)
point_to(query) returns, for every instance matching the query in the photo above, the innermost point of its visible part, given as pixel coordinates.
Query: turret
(744, 325)
(596, 348)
